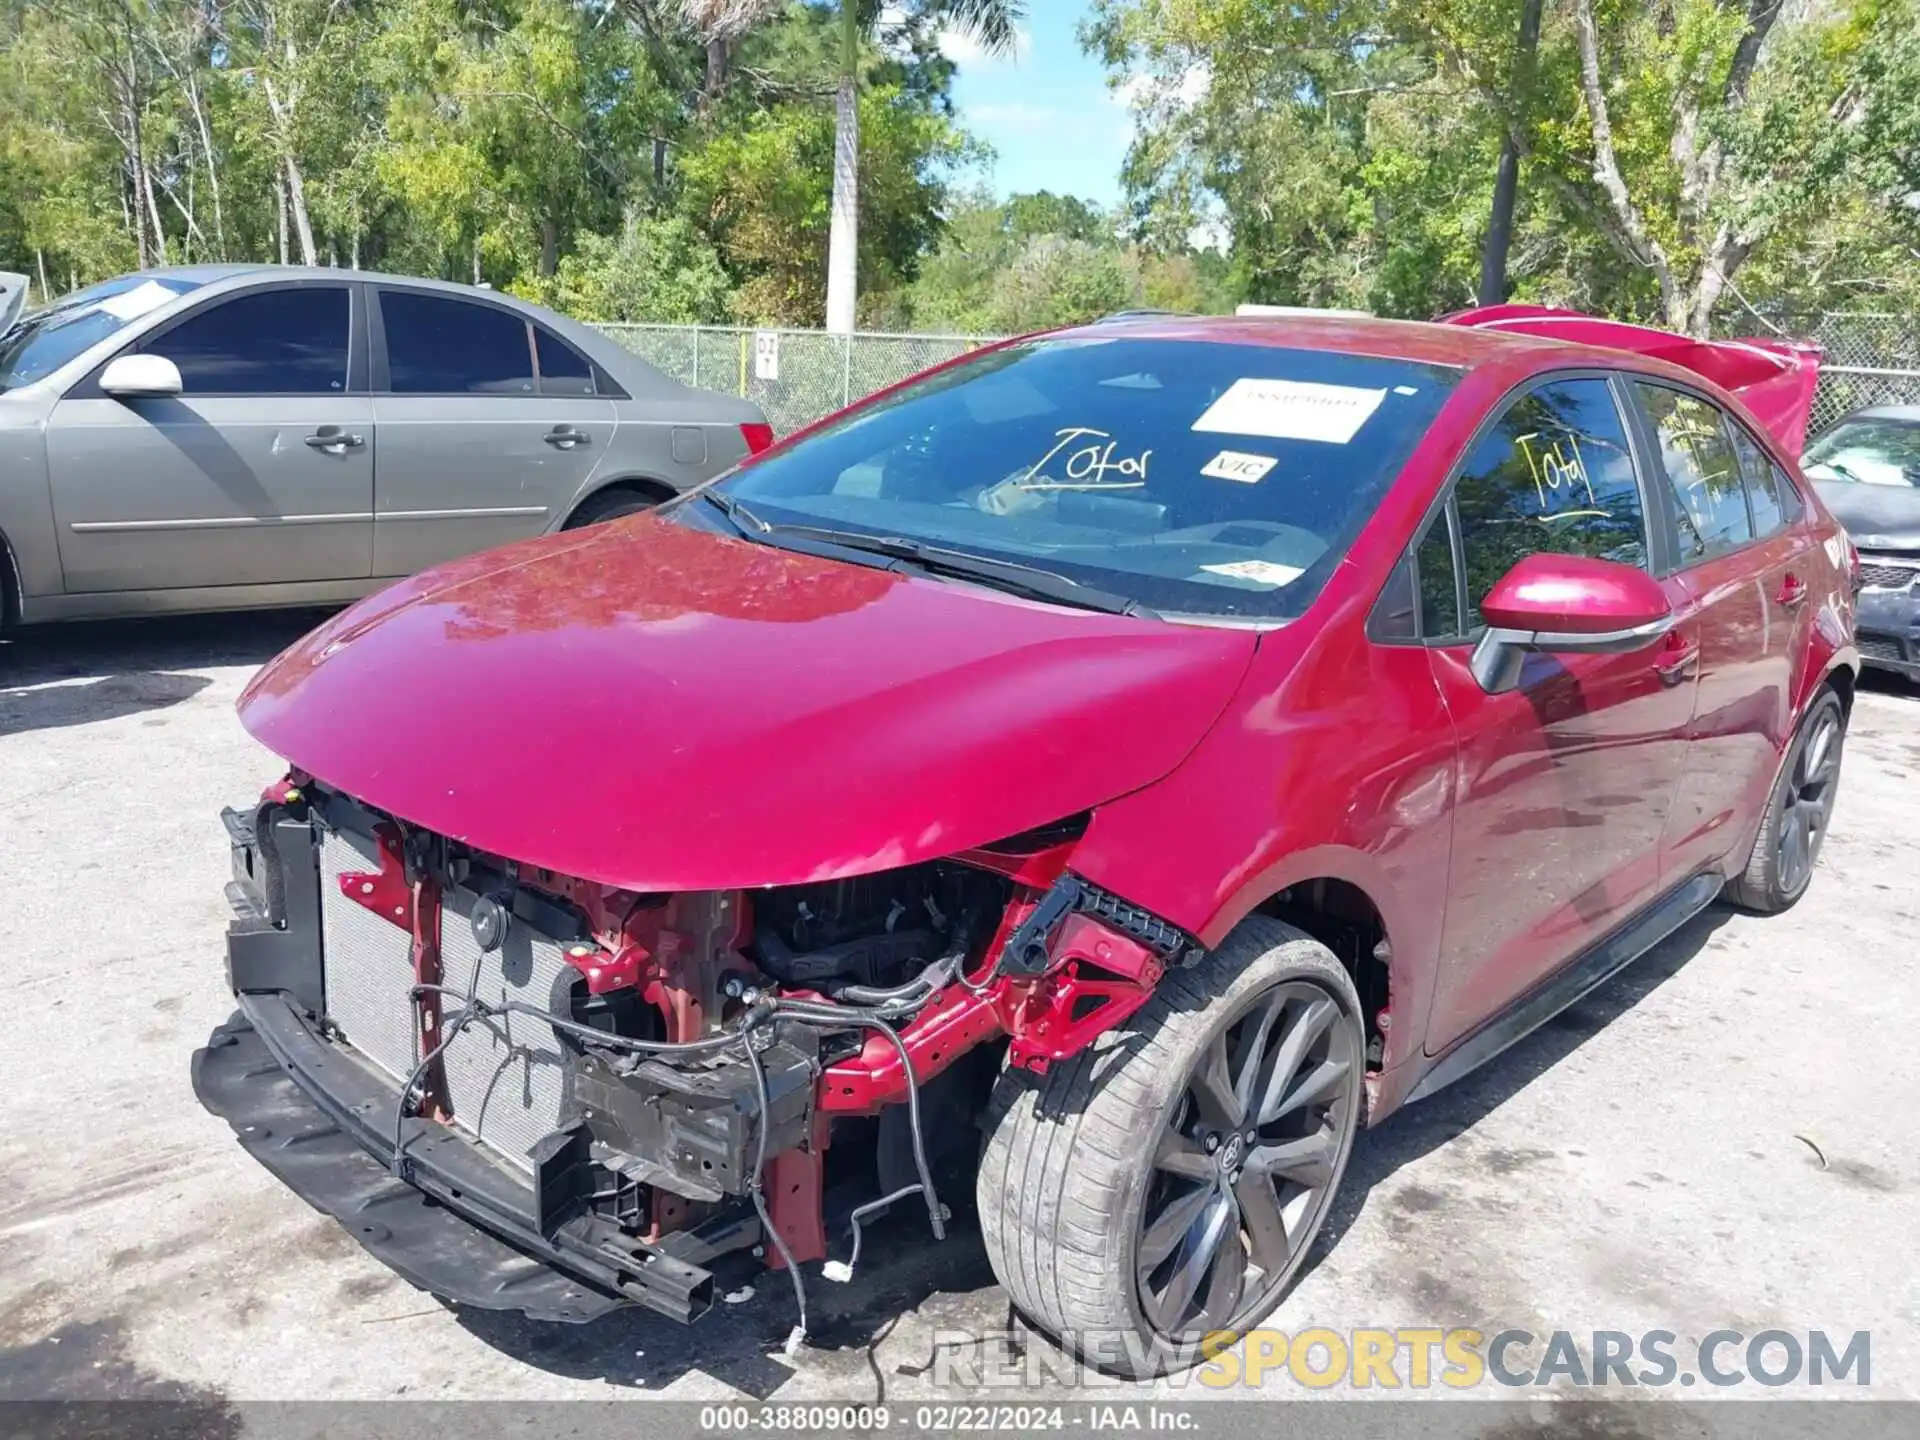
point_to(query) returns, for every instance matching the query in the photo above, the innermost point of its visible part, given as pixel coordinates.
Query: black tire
(1784, 852)
(612, 504)
(1076, 1160)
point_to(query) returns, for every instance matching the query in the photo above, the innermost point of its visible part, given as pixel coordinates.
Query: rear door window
(1764, 502)
(1700, 465)
(563, 370)
(1553, 476)
(442, 345)
(268, 342)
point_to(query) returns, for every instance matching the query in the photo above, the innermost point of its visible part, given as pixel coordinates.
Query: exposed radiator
(503, 1074)
(504, 1078)
(368, 967)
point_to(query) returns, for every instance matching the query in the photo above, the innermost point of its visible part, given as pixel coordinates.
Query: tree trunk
(297, 201)
(136, 171)
(1499, 239)
(843, 233)
(280, 210)
(549, 248)
(282, 112)
(719, 69)
(186, 209)
(1506, 184)
(213, 169)
(129, 217)
(46, 290)
(153, 211)
(1628, 231)
(843, 236)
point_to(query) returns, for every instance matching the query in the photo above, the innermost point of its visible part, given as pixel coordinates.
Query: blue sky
(1046, 111)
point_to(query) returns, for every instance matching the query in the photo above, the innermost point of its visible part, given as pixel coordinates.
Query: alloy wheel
(1808, 803)
(1246, 1162)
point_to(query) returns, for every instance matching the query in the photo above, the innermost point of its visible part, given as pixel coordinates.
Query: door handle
(1793, 592)
(334, 440)
(565, 437)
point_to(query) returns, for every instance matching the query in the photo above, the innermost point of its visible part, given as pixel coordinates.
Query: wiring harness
(853, 1008)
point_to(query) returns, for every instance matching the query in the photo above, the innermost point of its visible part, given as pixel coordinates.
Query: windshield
(1870, 452)
(42, 342)
(1190, 476)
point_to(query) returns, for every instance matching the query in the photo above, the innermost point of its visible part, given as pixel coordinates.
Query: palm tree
(991, 24)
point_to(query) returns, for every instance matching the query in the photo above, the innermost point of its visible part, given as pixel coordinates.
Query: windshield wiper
(1010, 575)
(741, 518)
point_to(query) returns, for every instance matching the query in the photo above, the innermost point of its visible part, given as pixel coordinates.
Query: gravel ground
(1725, 1136)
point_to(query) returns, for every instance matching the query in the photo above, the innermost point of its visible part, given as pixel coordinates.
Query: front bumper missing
(459, 1224)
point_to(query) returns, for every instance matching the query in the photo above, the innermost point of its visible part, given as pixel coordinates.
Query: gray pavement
(1725, 1136)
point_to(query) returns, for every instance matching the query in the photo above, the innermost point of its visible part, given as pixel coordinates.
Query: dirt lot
(1725, 1136)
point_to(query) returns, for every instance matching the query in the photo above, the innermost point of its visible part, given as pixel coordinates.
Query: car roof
(211, 274)
(634, 372)
(1462, 347)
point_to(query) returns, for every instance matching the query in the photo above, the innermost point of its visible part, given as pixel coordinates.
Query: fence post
(846, 371)
(746, 344)
(697, 332)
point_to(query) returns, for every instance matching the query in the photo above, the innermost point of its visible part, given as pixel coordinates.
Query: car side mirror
(1566, 604)
(141, 377)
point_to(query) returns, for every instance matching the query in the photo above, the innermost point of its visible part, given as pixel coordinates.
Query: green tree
(657, 269)
(762, 190)
(1354, 149)
(1054, 280)
(1044, 213)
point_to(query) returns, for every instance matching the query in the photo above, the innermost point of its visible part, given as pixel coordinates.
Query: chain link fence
(795, 376)
(1870, 359)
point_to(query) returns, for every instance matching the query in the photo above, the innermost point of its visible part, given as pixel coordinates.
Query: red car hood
(653, 707)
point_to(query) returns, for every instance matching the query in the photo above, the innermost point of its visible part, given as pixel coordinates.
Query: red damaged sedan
(1095, 778)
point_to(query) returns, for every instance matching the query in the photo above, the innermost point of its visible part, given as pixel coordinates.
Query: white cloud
(962, 49)
(1014, 115)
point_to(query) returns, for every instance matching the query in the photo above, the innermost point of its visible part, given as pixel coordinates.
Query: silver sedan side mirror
(138, 377)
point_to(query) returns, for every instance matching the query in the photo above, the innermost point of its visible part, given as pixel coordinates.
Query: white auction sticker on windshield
(1291, 410)
(1260, 572)
(1232, 465)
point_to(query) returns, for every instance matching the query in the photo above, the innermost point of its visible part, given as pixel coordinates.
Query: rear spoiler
(1774, 379)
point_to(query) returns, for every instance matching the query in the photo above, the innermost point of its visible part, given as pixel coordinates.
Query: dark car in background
(1866, 466)
(225, 437)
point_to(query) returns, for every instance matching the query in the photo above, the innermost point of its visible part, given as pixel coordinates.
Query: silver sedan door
(475, 449)
(259, 472)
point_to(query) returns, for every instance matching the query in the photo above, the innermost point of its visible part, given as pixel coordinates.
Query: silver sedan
(226, 437)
